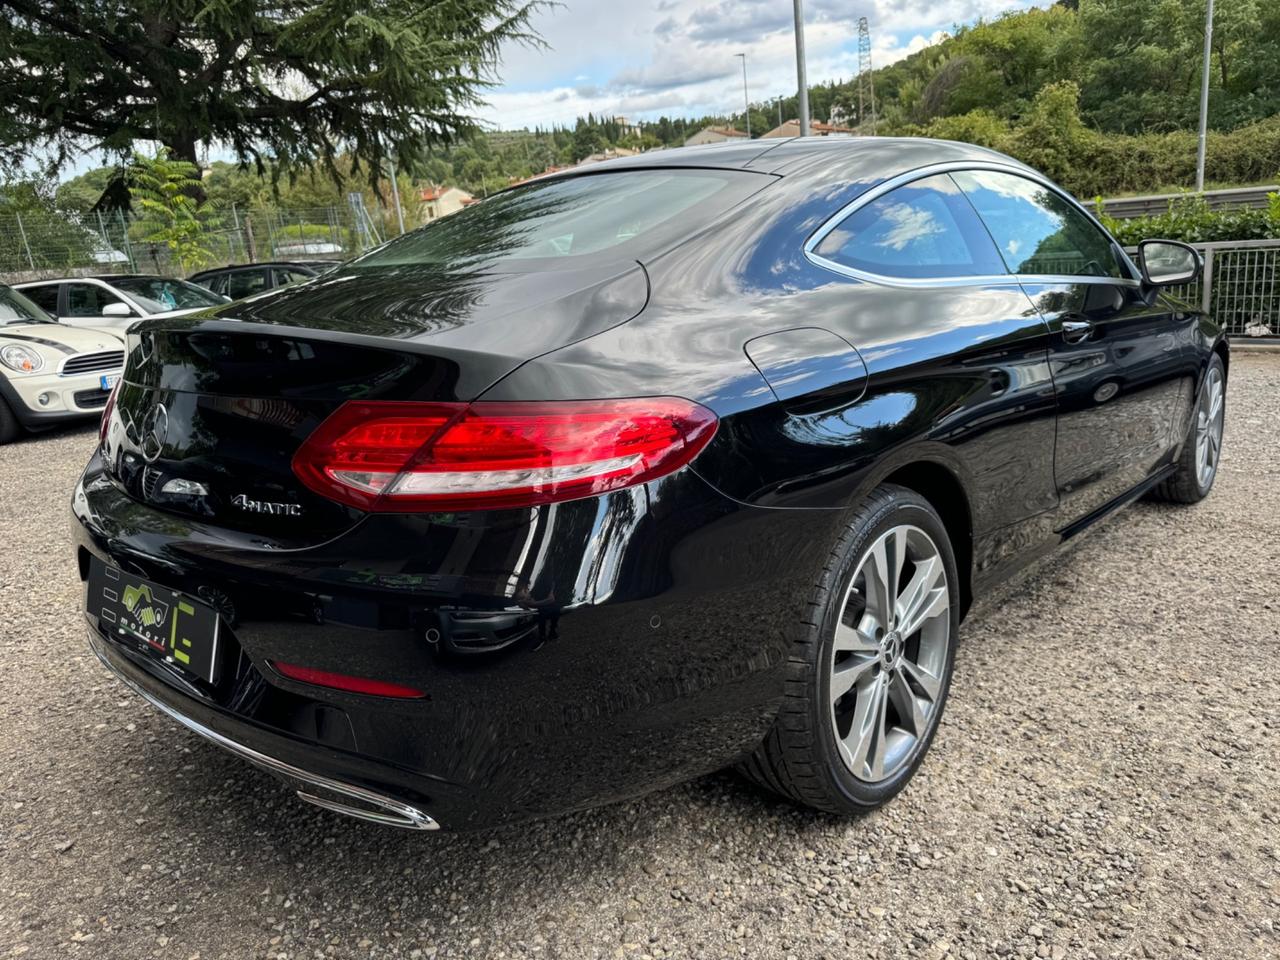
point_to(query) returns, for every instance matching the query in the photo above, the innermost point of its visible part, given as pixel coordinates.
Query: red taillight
(106, 411)
(341, 681)
(396, 456)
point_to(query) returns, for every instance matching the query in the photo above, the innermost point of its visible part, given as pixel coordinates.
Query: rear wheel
(9, 428)
(868, 678)
(1197, 466)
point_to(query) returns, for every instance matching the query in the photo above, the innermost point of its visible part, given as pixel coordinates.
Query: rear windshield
(158, 294)
(622, 215)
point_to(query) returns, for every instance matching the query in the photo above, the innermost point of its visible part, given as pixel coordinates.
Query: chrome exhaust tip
(345, 798)
(362, 804)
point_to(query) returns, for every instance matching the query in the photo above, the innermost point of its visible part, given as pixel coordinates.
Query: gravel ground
(1105, 784)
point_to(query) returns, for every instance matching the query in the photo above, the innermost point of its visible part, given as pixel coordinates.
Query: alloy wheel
(1209, 419)
(889, 657)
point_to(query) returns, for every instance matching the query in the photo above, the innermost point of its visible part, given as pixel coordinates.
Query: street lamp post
(746, 100)
(1204, 98)
(800, 72)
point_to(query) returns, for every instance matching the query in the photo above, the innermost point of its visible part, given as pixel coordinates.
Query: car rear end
(306, 534)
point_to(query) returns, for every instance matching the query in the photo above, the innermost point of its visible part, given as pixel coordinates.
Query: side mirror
(1167, 263)
(116, 310)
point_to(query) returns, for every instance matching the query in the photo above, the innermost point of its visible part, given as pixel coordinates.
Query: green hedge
(1190, 220)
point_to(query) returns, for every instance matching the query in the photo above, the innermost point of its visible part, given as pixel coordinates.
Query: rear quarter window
(568, 222)
(924, 229)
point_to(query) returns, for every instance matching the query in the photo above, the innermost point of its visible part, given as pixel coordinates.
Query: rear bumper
(625, 643)
(322, 789)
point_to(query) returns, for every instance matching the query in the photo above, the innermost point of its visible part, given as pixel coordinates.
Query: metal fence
(1240, 286)
(1233, 198)
(35, 246)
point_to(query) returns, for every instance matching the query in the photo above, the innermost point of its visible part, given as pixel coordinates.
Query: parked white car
(117, 300)
(51, 373)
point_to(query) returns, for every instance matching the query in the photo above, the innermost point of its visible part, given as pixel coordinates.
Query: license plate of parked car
(109, 380)
(175, 628)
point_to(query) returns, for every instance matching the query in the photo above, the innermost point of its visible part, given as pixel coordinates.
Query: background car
(117, 300)
(238, 282)
(51, 373)
(724, 440)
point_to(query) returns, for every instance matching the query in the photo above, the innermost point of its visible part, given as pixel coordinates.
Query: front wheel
(9, 428)
(1197, 466)
(869, 674)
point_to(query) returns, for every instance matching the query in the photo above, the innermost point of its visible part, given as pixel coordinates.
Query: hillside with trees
(1101, 94)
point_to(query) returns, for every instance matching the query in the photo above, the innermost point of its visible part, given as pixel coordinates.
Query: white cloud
(677, 56)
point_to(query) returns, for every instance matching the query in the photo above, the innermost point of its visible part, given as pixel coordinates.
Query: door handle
(1074, 331)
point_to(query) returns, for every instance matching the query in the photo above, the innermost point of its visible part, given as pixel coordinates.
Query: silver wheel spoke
(879, 731)
(880, 572)
(928, 684)
(868, 711)
(922, 598)
(906, 703)
(852, 639)
(848, 674)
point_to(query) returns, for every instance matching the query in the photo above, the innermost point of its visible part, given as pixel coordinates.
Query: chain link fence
(45, 245)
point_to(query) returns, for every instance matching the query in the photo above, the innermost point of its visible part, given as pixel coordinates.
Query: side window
(287, 275)
(45, 297)
(922, 229)
(244, 283)
(218, 284)
(1038, 231)
(88, 299)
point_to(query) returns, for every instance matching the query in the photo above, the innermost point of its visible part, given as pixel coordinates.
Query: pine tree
(283, 85)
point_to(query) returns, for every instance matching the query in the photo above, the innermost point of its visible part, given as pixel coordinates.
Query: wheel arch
(1223, 350)
(946, 494)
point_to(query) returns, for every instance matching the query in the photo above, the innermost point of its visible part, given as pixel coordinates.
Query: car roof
(231, 267)
(885, 155)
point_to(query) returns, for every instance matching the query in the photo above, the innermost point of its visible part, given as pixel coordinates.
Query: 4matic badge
(266, 506)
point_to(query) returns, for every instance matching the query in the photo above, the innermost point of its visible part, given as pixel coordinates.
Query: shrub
(1190, 220)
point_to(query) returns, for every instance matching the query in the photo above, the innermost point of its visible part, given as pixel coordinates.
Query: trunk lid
(213, 407)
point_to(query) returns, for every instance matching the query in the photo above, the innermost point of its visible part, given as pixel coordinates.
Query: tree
(586, 141)
(161, 189)
(283, 85)
(79, 194)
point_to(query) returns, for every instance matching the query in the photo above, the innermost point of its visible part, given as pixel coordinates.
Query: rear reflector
(400, 457)
(340, 681)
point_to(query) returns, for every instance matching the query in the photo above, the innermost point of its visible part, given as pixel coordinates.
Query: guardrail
(1240, 286)
(1235, 198)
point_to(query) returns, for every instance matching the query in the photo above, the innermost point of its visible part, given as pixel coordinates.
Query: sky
(645, 58)
(641, 59)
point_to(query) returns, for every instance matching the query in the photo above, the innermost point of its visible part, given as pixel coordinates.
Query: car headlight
(20, 358)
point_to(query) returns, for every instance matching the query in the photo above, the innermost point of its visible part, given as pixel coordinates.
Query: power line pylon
(866, 82)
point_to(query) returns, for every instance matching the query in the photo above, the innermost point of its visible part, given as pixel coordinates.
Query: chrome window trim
(958, 166)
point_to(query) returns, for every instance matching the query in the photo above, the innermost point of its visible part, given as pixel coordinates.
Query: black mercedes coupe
(634, 472)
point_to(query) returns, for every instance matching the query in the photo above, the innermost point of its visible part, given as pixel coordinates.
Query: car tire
(1197, 465)
(816, 753)
(9, 428)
